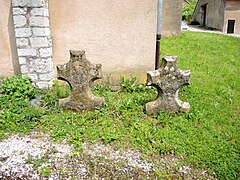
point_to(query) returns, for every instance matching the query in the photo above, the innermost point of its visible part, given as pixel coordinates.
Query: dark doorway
(204, 14)
(230, 28)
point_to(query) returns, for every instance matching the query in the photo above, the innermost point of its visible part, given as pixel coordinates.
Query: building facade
(223, 15)
(36, 35)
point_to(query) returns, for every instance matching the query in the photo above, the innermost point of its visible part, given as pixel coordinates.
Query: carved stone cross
(80, 74)
(168, 79)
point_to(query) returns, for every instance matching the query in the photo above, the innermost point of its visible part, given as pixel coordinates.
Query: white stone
(22, 60)
(39, 12)
(28, 3)
(19, 21)
(46, 77)
(20, 3)
(34, 77)
(45, 52)
(36, 3)
(23, 32)
(19, 11)
(41, 31)
(43, 85)
(41, 65)
(38, 42)
(39, 21)
(22, 42)
(27, 52)
(24, 69)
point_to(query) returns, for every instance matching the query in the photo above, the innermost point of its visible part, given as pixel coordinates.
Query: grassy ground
(207, 137)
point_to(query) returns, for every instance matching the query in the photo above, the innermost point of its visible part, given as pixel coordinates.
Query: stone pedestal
(80, 74)
(168, 79)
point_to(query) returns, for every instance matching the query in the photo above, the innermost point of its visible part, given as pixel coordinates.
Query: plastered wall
(172, 17)
(118, 34)
(232, 13)
(8, 57)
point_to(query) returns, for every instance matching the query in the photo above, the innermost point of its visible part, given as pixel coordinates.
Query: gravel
(18, 154)
(36, 156)
(25, 156)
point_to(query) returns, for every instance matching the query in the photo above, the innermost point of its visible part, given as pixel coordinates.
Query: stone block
(28, 3)
(36, 3)
(22, 60)
(39, 12)
(27, 52)
(41, 31)
(21, 3)
(23, 32)
(19, 21)
(46, 77)
(43, 85)
(45, 52)
(22, 42)
(19, 11)
(34, 77)
(39, 21)
(38, 42)
(41, 65)
(23, 69)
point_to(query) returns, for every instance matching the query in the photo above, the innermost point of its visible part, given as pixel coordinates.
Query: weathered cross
(168, 79)
(80, 74)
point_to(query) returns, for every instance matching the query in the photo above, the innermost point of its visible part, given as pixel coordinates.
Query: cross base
(87, 103)
(170, 105)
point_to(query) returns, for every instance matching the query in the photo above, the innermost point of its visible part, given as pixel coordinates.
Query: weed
(45, 171)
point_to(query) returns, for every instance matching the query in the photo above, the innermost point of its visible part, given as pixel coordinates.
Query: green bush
(16, 111)
(18, 87)
(188, 9)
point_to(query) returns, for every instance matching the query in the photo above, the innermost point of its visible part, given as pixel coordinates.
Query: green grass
(207, 137)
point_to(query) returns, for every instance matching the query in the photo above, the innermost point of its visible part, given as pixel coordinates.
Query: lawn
(207, 137)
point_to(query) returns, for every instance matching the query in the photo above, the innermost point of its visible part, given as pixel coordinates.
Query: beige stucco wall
(172, 17)
(215, 13)
(7, 41)
(232, 13)
(118, 34)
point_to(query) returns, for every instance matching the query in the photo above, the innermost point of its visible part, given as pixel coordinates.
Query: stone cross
(79, 73)
(168, 79)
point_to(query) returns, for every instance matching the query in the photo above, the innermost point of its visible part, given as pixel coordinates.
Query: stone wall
(121, 35)
(33, 40)
(214, 15)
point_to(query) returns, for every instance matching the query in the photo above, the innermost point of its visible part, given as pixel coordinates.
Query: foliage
(18, 87)
(188, 9)
(16, 111)
(131, 85)
(58, 91)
